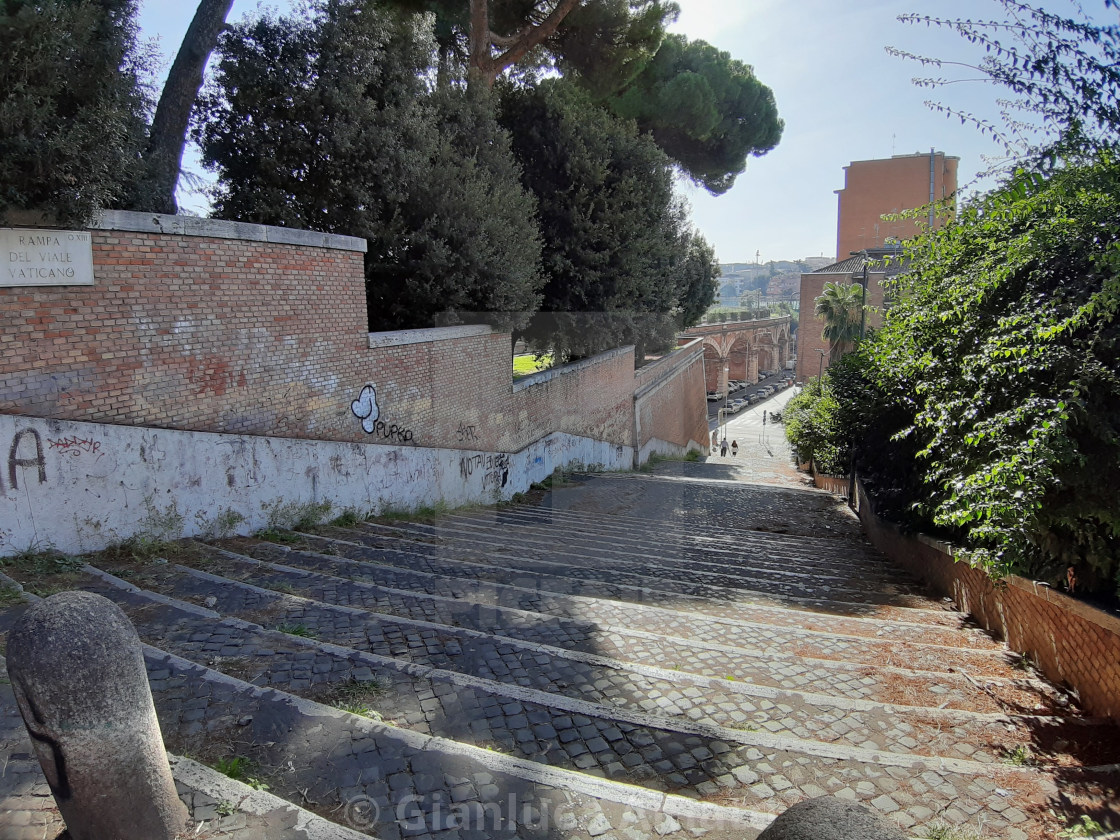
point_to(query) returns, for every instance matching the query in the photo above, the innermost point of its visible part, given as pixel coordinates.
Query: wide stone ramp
(634, 656)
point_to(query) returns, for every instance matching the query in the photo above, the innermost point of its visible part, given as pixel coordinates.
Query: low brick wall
(837, 484)
(1071, 642)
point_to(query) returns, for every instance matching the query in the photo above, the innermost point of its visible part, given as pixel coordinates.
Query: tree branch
(504, 42)
(527, 39)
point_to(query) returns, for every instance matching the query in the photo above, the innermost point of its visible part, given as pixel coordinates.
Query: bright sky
(841, 96)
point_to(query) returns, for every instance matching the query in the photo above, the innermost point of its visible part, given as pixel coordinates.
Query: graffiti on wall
(495, 469)
(392, 432)
(21, 459)
(365, 409)
(466, 433)
(75, 446)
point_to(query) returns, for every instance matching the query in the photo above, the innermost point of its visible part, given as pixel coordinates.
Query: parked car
(713, 396)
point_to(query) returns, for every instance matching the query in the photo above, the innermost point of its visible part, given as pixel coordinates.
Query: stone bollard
(77, 671)
(829, 818)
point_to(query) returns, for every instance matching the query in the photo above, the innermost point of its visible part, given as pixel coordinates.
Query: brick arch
(736, 345)
(785, 345)
(738, 357)
(713, 364)
(767, 348)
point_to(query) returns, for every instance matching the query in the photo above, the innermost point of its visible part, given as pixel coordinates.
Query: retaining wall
(665, 420)
(838, 484)
(202, 326)
(192, 324)
(78, 487)
(1071, 642)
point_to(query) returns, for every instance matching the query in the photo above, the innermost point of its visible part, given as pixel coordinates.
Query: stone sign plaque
(34, 257)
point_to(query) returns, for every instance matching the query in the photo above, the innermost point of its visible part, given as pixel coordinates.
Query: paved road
(764, 455)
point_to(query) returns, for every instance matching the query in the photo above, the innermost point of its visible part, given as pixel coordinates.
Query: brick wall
(456, 390)
(194, 332)
(666, 392)
(200, 325)
(1071, 642)
(874, 188)
(810, 332)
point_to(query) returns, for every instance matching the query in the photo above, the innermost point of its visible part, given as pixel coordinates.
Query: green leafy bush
(998, 364)
(814, 429)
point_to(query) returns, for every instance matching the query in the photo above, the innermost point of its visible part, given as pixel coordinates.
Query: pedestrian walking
(723, 448)
(734, 447)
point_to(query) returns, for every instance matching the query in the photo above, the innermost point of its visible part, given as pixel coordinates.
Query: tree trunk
(480, 69)
(168, 136)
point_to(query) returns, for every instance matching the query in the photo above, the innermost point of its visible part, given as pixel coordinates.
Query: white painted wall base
(79, 487)
(656, 446)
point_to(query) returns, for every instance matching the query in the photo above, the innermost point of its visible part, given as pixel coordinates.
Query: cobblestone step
(637, 570)
(565, 671)
(635, 531)
(848, 544)
(710, 601)
(717, 563)
(579, 623)
(393, 783)
(423, 571)
(712, 506)
(685, 691)
(604, 534)
(613, 673)
(698, 763)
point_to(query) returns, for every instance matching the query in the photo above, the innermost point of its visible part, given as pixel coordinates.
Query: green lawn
(524, 365)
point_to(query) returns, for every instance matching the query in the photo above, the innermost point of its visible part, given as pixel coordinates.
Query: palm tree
(839, 308)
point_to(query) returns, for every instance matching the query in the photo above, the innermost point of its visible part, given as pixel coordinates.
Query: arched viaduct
(740, 349)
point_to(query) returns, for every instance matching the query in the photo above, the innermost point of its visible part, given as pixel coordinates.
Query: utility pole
(862, 324)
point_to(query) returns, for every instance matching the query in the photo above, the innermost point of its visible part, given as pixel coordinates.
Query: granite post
(77, 671)
(830, 818)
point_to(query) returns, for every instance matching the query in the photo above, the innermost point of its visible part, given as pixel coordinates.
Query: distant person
(723, 448)
(734, 447)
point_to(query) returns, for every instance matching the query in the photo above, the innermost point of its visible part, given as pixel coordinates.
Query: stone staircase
(629, 657)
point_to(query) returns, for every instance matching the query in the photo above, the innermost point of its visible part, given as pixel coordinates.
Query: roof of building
(935, 153)
(879, 260)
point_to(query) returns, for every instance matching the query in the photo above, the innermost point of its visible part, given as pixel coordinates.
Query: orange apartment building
(873, 189)
(876, 188)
